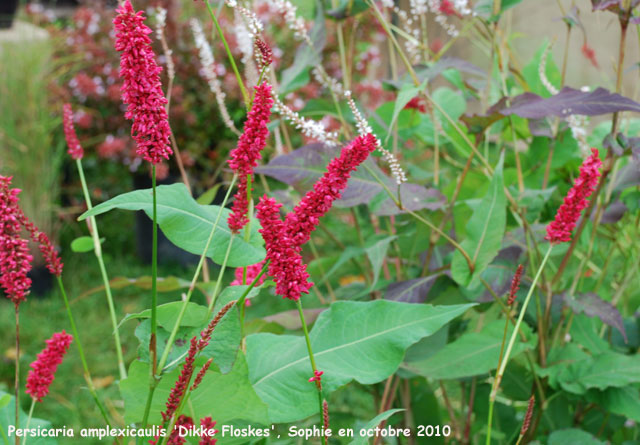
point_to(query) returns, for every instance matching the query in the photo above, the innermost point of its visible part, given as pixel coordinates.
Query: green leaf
(377, 254)
(229, 398)
(207, 197)
(8, 417)
(188, 224)
(362, 341)
(622, 401)
(574, 436)
(195, 315)
(474, 353)
(484, 8)
(485, 231)
(372, 424)
(406, 93)
(83, 244)
(611, 370)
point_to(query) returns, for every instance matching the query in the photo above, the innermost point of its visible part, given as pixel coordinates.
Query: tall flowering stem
(76, 152)
(146, 106)
(558, 231)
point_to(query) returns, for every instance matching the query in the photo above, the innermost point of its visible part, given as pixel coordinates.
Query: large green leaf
(406, 93)
(622, 401)
(474, 353)
(611, 370)
(572, 436)
(362, 341)
(485, 231)
(188, 224)
(229, 399)
(372, 424)
(7, 417)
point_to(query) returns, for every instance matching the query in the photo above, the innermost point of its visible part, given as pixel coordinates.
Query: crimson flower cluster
(252, 272)
(175, 438)
(141, 88)
(284, 239)
(515, 285)
(73, 144)
(15, 259)
(244, 158)
(559, 230)
(44, 368)
(197, 345)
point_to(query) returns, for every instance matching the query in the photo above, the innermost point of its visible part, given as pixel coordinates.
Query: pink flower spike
(286, 266)
(15, 259)
(181, 385)
(244, 158)
(73, 144)
(208, 426)
(559, 230)
(141, 88)
(49, 253)
(316, 203)
(317, 376)
(252, 272)
(44, 368)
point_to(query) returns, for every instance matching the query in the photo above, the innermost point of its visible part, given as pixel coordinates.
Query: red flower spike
(244, 158)
(416, 104)
(200, 375)
(49, 253)
(73, 144)
(285, 266)
(317, 202)
(447, 8)
(208, 425)
(15, 259)
(252, 272)
(515, 285)
(264, 52)
(44, 368)
(141, 88)
(559, 230)
(178, 390)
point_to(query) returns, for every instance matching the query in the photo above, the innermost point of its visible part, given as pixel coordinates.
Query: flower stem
(310, 351)
(512, 339)
(245, 96)
(83, 360)
(17, 379)
(33, 404)
(97, 248)
(154, 278)
(165, 354)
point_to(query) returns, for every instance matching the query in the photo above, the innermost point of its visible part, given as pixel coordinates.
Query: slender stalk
(503, 365)
(153, 351)
(310, 351)
(97, 249)
(33, 405)
(243, 90)
(83, 360)
(17, 377)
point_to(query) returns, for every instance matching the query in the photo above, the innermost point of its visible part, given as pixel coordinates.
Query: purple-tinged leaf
(611, 143)
(599, 5)
(302, 167)
(500, 273)
(572, 18)
(477, 123)
(568, 102)
(593, 306)
(628, 176)
(411, 291)
(614, 213)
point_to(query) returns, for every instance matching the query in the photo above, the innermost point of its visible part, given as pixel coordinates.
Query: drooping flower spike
(15, 259)
(44, 368)
(286, 265)
(73, 144)
(244, 158)
(141, 87)
(252, 272)
(559, 230)
(515, 285)
(316, 203)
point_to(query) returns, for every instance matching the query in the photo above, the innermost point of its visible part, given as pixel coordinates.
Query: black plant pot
(8, 10)
(168, 253)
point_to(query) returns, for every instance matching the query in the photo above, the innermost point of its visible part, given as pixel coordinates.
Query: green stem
(154, 279)
(97, 248)
(245, 96)
(33, 404)
(310, 351)
(243, 297)
(17, 376)
(83, 360)
(505, 360)
(223, 267)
